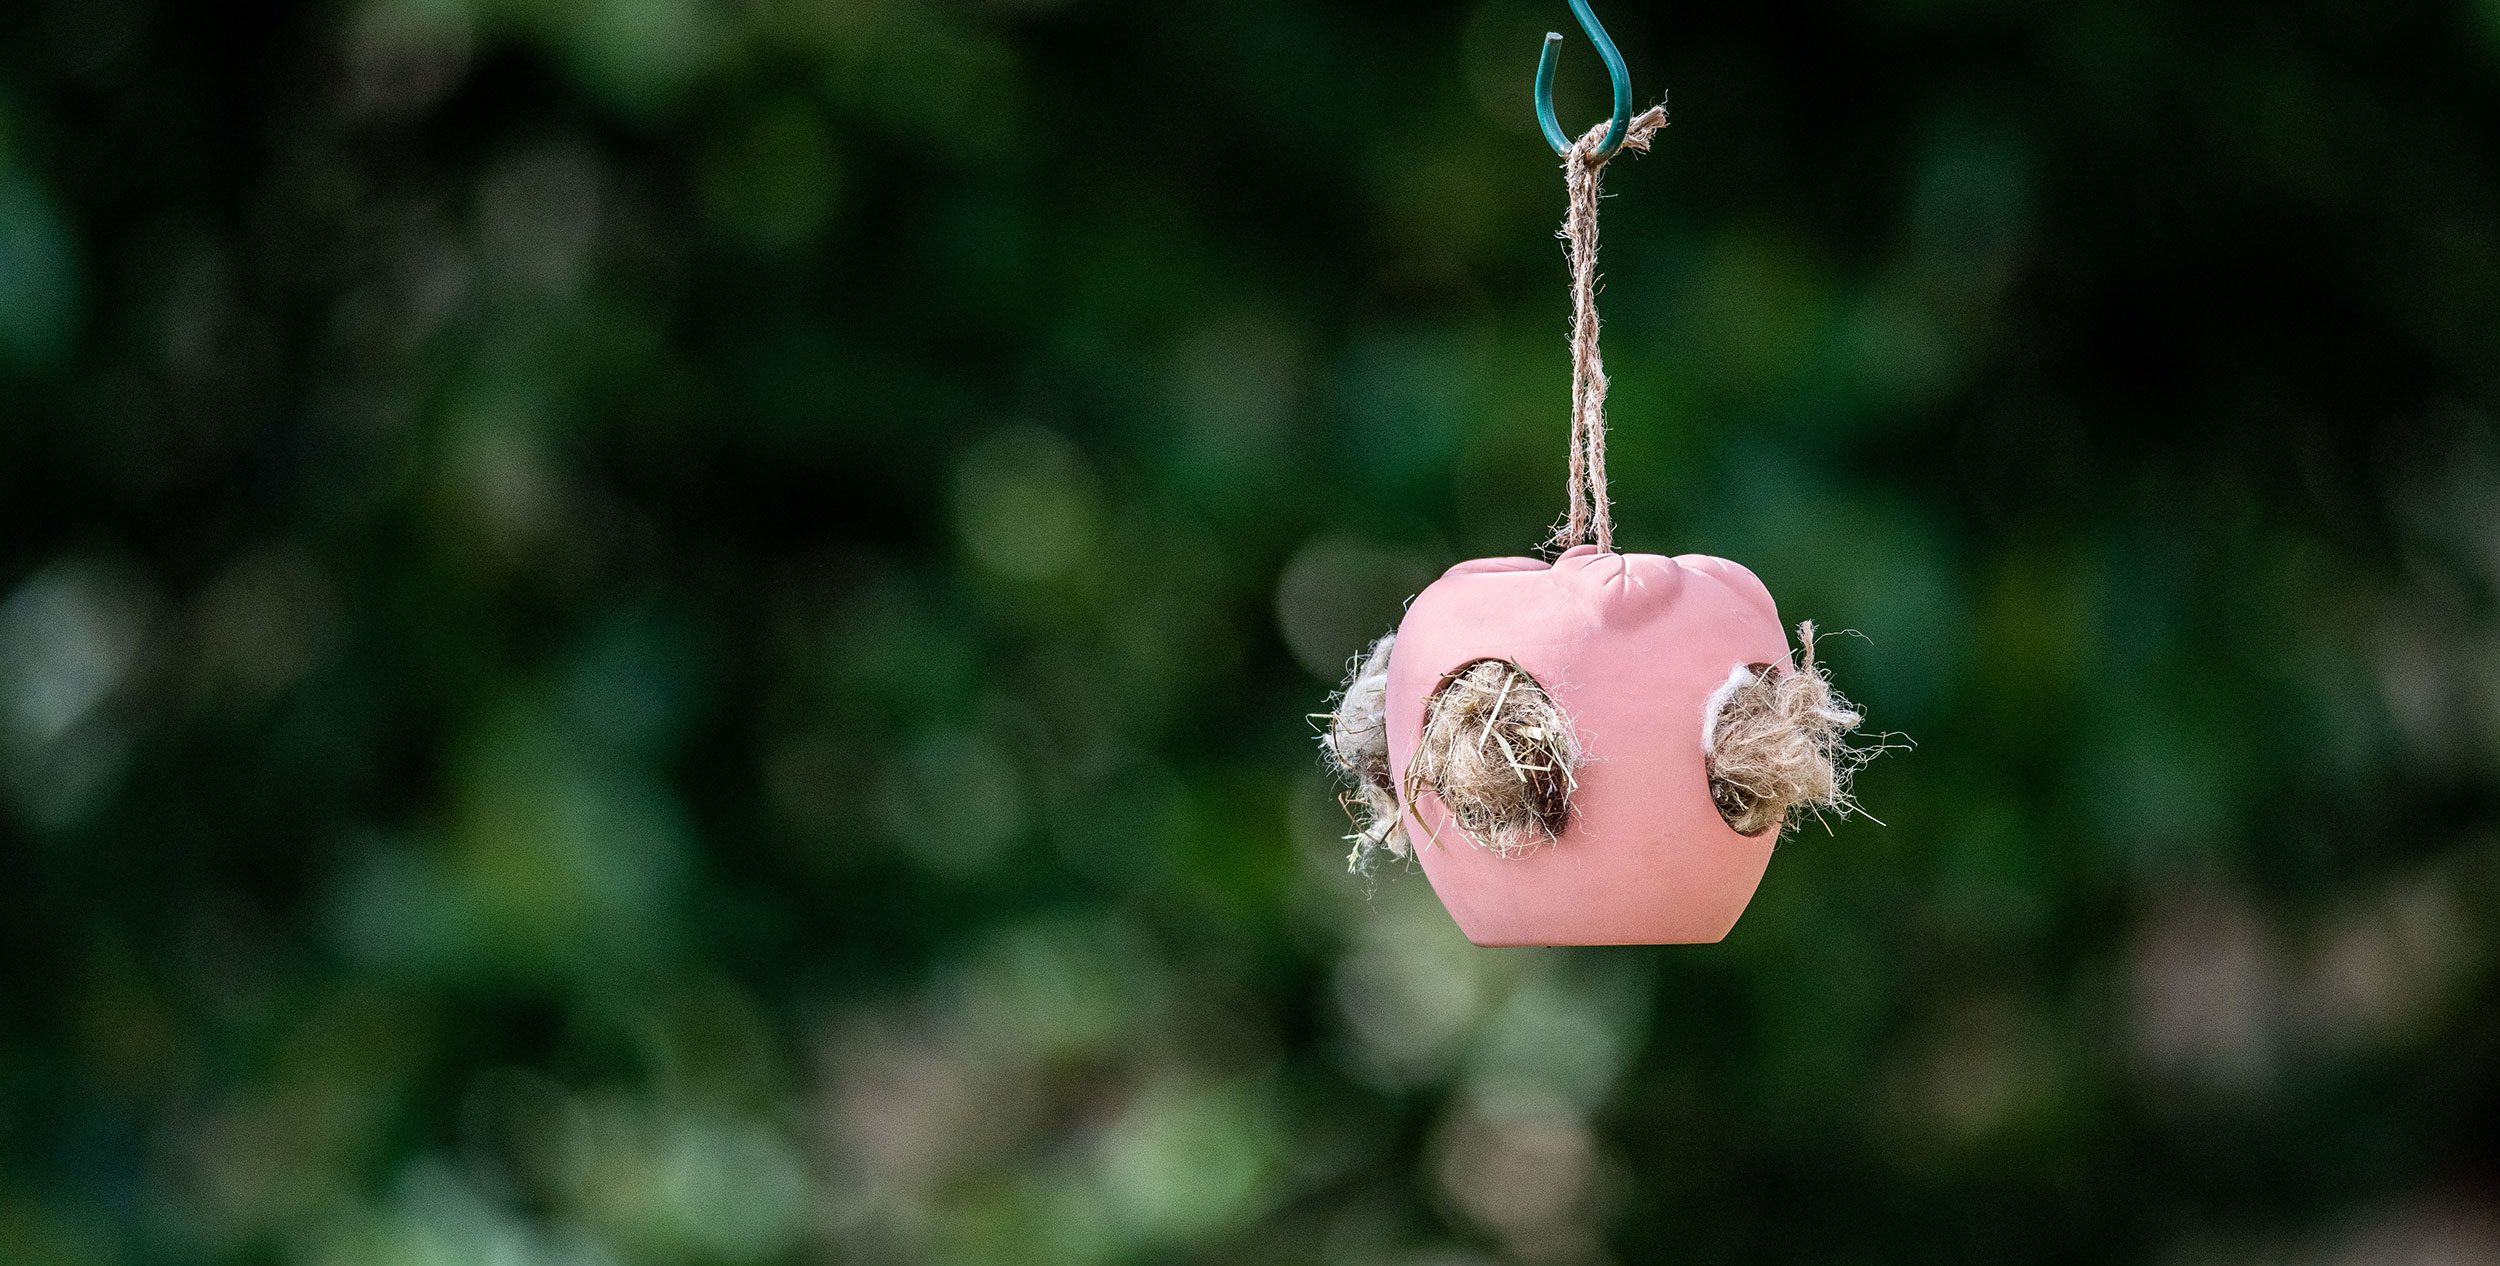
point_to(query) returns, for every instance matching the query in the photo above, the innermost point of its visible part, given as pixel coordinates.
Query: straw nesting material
(1503, 757)
(1356, 745)
(1777, 744)
(1495, 748)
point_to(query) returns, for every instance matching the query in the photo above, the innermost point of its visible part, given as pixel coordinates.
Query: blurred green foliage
(676, 631)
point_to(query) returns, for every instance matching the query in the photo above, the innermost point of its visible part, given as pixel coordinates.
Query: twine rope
(1591, 516)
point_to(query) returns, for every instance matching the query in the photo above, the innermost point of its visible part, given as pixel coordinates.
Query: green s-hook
(1554, 134)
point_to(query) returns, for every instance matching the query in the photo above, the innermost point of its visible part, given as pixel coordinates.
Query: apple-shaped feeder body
(1631, 647)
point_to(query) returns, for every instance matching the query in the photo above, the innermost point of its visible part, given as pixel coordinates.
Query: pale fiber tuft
(1778, 744)
(1356, 744)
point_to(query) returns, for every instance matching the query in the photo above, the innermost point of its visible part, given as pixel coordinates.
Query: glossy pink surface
(1631, 646)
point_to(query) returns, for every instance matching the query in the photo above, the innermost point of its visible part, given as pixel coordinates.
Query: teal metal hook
(1554, 134)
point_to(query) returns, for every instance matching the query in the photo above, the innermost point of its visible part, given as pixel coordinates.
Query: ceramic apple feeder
(1631, 648)
(1603, 749)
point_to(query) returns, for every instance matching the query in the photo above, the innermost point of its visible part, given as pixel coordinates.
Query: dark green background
(664, 631)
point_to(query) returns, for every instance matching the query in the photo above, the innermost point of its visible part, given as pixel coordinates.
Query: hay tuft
(1356, 744)
(1501, 755)
(1778, 744)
